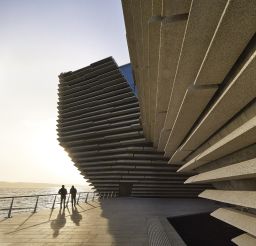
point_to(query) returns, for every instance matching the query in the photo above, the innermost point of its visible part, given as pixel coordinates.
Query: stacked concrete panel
(99, 126)
(197, 91)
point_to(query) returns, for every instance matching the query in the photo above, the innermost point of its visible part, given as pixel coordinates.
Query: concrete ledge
(221, 56)
(241, 220)
(244, 240)
(195, 100)
(240, 91)
(196, 40)
(239, 198)
(242, 137)
(242, 170)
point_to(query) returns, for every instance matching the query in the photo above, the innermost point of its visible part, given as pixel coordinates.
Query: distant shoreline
(5, 184)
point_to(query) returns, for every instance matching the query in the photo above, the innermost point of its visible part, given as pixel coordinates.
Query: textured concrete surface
(220, 55)
(196, 40)
(244, 240)
(241, 137)
(204, 129)
(120, 221)
(171, 36)
(235, 97)
(195, 100)
(242, 220)
(239, 198)
(242, 170)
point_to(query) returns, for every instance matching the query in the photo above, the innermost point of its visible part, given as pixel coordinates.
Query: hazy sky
(39, 39)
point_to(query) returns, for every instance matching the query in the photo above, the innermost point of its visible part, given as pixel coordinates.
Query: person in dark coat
(73, 192)
(63, 192)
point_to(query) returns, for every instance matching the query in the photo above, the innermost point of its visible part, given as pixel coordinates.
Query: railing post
(36, 204)
(93, 196)
(78, 198)
(54, 202)
(10, 209)
(111, 194)
(67, 201)
(86, 197)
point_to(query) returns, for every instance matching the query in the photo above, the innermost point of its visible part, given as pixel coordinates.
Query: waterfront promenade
(117, 221)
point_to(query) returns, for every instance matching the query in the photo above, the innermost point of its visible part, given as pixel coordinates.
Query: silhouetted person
(63, 192)
(73, 192)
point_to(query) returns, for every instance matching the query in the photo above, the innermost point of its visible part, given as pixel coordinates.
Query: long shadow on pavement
(58, 223)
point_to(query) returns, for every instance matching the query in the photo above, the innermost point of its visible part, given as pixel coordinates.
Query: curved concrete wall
(195, 67)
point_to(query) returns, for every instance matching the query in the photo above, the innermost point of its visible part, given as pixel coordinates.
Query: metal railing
(80, 196)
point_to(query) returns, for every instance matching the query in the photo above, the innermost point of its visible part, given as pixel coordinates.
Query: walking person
(63, 192)
(73, 192)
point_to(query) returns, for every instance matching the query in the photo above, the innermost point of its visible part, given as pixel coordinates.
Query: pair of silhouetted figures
(63, 193)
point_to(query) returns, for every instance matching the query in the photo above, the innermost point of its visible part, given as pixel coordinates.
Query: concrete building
(99, 126)
(194, 64)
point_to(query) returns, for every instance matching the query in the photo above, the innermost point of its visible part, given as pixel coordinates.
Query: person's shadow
(58, 223)
(76, 216)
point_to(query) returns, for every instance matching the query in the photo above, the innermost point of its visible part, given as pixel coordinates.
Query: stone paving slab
(114, 222)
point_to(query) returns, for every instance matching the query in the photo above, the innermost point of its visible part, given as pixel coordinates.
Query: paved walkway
(119, 221)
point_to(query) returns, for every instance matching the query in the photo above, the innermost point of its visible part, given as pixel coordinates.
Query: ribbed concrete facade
(195, 68)
(99, 126)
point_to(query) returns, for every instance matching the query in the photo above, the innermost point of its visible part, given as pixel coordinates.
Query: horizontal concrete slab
(241, 220)
(242, 170)
(239, 198)
(244, 240)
